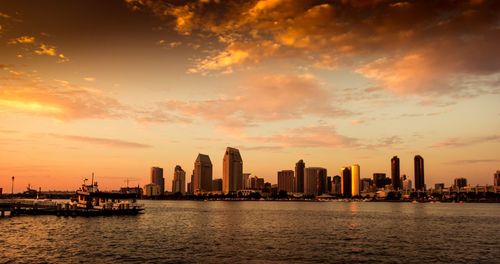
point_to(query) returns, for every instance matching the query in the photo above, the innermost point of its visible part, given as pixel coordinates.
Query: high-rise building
(232, 171)
(157, 178)
(315, 181)
(217, 185)
(395, 173)
(407, 184)
(286, 180)
(202, 174)
(329, 183)
(355, 178)
(496, 178)
(189, 188)
(460, 182)
(246, 181)
(256, 183)
(345, 174)
(379, 180)
(419, 173)
(179, 181)
(337, 185)
(366, 184)
(299, 176)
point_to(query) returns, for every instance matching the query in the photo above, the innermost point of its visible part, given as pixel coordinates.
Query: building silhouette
(329, 183)
(286, 180)
(315, 181)
(336, 185)
(395, 173)
(202, 174)
(496, 178)
(179, 181)
(345, 174)
(419, 173)
(232, 171)
(246, 181)
(217, 185)
(355, 180)
(460, 182)
(379, 180)
(366, 184)
(157, 178)
(299, 176)
(256, 183)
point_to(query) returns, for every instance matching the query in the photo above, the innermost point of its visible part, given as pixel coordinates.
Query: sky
(116, 87)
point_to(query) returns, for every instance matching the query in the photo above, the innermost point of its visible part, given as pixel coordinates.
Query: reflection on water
(333, 232)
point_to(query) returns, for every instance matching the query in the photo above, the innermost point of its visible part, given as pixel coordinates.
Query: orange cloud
(101, 141)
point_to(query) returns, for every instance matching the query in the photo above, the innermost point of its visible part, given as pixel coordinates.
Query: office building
(179, 181)
(395, 173)
(366, 185)
(202, 174)
(256, 183)
(419, 173)
(152, 190)
(286, 180)
(157, 178)
(496, 179)
(345, 174)
(379, 180)
(246, 181)
(299, 176)
(460, 182)
(336, 185)
(329, 183)
(315, 181)
(355, 180)
(217, 185)
(232, 171)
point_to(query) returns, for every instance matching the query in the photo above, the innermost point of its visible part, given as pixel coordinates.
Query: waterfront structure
(439, 186)
(419, 173)
(407, 184)
(232, 171)
(460, 182)
(315, 181)
(345, 174)
(379, 180)
(336, 185)
(299, 176)
(152, 190)
(217, 185)
(202, 174)
(286, 180)
(256, 183)
(496, 179)
(395, 173)
(366, 185)
(157, 178)
(355, 180)
(179, 181)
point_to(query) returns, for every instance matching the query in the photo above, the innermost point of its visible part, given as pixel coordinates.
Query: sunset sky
(116, 87)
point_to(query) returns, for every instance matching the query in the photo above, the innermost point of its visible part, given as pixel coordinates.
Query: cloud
(89, 79)
(28, 93)
(474, 161)
(39, 48)
(462, 142)
(407, 47)
(46, 50)
(263, 99)
(25, 40)
(101, 141)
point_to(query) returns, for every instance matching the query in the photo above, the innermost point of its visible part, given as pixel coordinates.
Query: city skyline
(117, 87)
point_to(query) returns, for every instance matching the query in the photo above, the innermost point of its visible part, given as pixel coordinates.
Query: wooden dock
(11, 208)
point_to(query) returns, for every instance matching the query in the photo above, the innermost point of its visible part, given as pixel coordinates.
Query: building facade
(157, 178)
(379, 180)
(496, 179)
(395, 173)
(345, 174)
(315, 181)
(299, 176)
(202, 174)
(286, 180)
(337, 185)
(179, 181)
(460, 182)
(355, 180)
(232, 171)
(152, 190)
(217, 185)
(419, 173)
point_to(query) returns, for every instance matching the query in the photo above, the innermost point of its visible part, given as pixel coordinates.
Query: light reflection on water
(332, 232)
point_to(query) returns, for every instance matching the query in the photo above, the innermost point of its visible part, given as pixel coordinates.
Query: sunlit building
(232, 171)
(395, 173)
(345, 174)
(286, 180)
(419, 173)
(202, 174)
(179, 181)
(157, 178)
(315, 181)
(355, 180)
(299, 176)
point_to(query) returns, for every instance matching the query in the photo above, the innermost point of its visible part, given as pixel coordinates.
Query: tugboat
(90, 201)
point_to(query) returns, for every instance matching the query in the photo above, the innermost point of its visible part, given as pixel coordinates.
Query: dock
(18, 207)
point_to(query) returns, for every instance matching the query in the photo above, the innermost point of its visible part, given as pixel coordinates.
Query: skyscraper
(202, 174)
(395, 173)
(496, 178)
(315, 181)
(299, 176)
(179, 181)
(329, 183)
(379, 180)
(337, 185)
(345, 174)
(232, 171)
(217, 185)
(286, 180)
(355, 178)
(419, 173)
(157, 178)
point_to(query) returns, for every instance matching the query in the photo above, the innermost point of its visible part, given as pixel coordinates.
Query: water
(257, 232)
